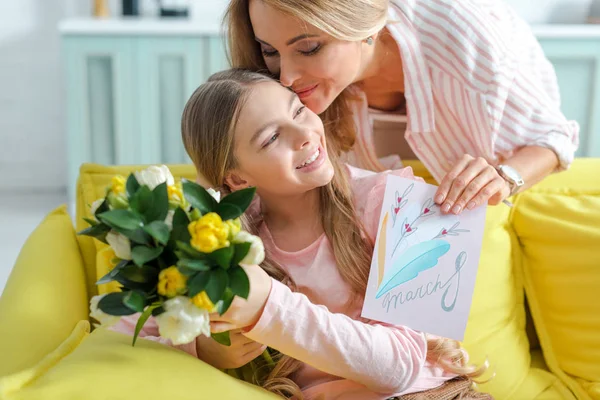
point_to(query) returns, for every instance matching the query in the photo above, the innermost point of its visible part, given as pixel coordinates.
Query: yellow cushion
(45, 295)
(106, 366)
(14, 383)
(496, 326)
(558, 225)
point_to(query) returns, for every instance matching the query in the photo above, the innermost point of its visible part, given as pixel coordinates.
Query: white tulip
(106, 320)
(94, 207)
(120, 244)
(216, 195)
(182, 321)
(154, 176)
(256, 255)
(169, 219)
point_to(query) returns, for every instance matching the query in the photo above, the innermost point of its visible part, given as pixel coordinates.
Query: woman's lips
(304, 93)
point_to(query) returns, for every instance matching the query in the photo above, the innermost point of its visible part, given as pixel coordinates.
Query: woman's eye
(270, 141)
(269, 52)
(300, 111)
(311, 49)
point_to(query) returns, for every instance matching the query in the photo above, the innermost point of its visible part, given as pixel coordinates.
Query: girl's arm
(385, 359)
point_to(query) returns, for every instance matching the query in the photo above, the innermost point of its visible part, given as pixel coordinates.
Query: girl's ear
(236, 182)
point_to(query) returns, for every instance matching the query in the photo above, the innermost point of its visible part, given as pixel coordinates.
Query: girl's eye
(311, 50)
(300, 111)
(273, 138)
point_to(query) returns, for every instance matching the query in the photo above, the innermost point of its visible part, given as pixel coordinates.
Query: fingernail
(456, 209)
(471, 205)
(439, 199)
(446, 207)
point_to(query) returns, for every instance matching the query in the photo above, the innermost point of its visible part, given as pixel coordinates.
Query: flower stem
(267, 357)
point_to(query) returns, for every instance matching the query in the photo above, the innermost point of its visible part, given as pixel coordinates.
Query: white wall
(31, 114)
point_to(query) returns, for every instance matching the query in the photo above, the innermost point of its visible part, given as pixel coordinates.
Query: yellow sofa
(545, 249)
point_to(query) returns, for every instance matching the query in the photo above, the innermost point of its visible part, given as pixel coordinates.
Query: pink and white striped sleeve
(494, 77)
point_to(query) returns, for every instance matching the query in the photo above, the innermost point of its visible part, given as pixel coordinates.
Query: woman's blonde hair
(351, 20)
(208, 126)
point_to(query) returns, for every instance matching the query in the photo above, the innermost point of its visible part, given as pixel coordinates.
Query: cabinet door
(577, 65)
(100, 98)
(169, 69)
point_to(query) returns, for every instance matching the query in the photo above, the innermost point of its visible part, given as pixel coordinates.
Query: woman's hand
(241, 351)
(471, 183)
(245, 312)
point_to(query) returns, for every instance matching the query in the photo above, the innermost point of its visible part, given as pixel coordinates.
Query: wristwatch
(513, 177)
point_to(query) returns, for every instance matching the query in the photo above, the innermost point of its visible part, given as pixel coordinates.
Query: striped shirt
(476, 82)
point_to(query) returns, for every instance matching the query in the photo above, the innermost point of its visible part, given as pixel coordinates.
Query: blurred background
(82, 82)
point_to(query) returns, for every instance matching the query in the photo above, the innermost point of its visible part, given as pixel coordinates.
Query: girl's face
(279, 144)
(312, 63)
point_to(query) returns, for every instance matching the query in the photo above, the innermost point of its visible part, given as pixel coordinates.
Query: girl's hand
(471, 183)
(241, 351)
(244, 313)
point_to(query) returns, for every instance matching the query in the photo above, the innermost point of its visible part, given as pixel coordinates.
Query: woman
(461, 85)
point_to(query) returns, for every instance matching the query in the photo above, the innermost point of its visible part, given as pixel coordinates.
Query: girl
(318, 220)
(461, 85)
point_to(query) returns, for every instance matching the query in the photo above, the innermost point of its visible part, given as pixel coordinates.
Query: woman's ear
(236, 182)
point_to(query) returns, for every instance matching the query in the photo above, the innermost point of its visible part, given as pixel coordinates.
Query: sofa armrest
(45, 295)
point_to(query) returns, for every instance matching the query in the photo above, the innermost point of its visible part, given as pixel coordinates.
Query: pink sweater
(345, 356)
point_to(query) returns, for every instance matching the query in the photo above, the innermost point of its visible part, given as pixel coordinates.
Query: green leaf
(222, 338)
(135, 301)
(159, 231)
(238, 282)
(123, 219)
(187, 271)
(143, 274)
(142, 320)
(160, 204)
(217, 282)
(240, 198)
(222, 256)
(198, 283)
(90, 221)
(138, 236)
(195, 265)
(240, 251)
(189, 251)
(225, 303)
(180, 230)
(228, 211)
(198, 197)
(113, 304)
(113, 273)
(141, 201)
(142, 254)
(180, 218)
(103, 208)
(132, 186)
(97, 231)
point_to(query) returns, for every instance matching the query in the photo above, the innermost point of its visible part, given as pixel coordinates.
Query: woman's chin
(317, 103)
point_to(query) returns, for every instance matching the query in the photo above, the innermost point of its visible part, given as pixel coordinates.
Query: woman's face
(279, 144)
(312, 63)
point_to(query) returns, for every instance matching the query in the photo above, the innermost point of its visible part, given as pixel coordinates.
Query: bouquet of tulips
(178, 251)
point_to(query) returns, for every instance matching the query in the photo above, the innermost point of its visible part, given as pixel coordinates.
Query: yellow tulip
(201, 300)
(209, 233)
(171, 282)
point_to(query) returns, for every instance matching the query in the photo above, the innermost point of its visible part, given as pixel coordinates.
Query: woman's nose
(288, 73)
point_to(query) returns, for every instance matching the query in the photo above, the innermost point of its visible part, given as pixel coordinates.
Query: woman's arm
(503, 93)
